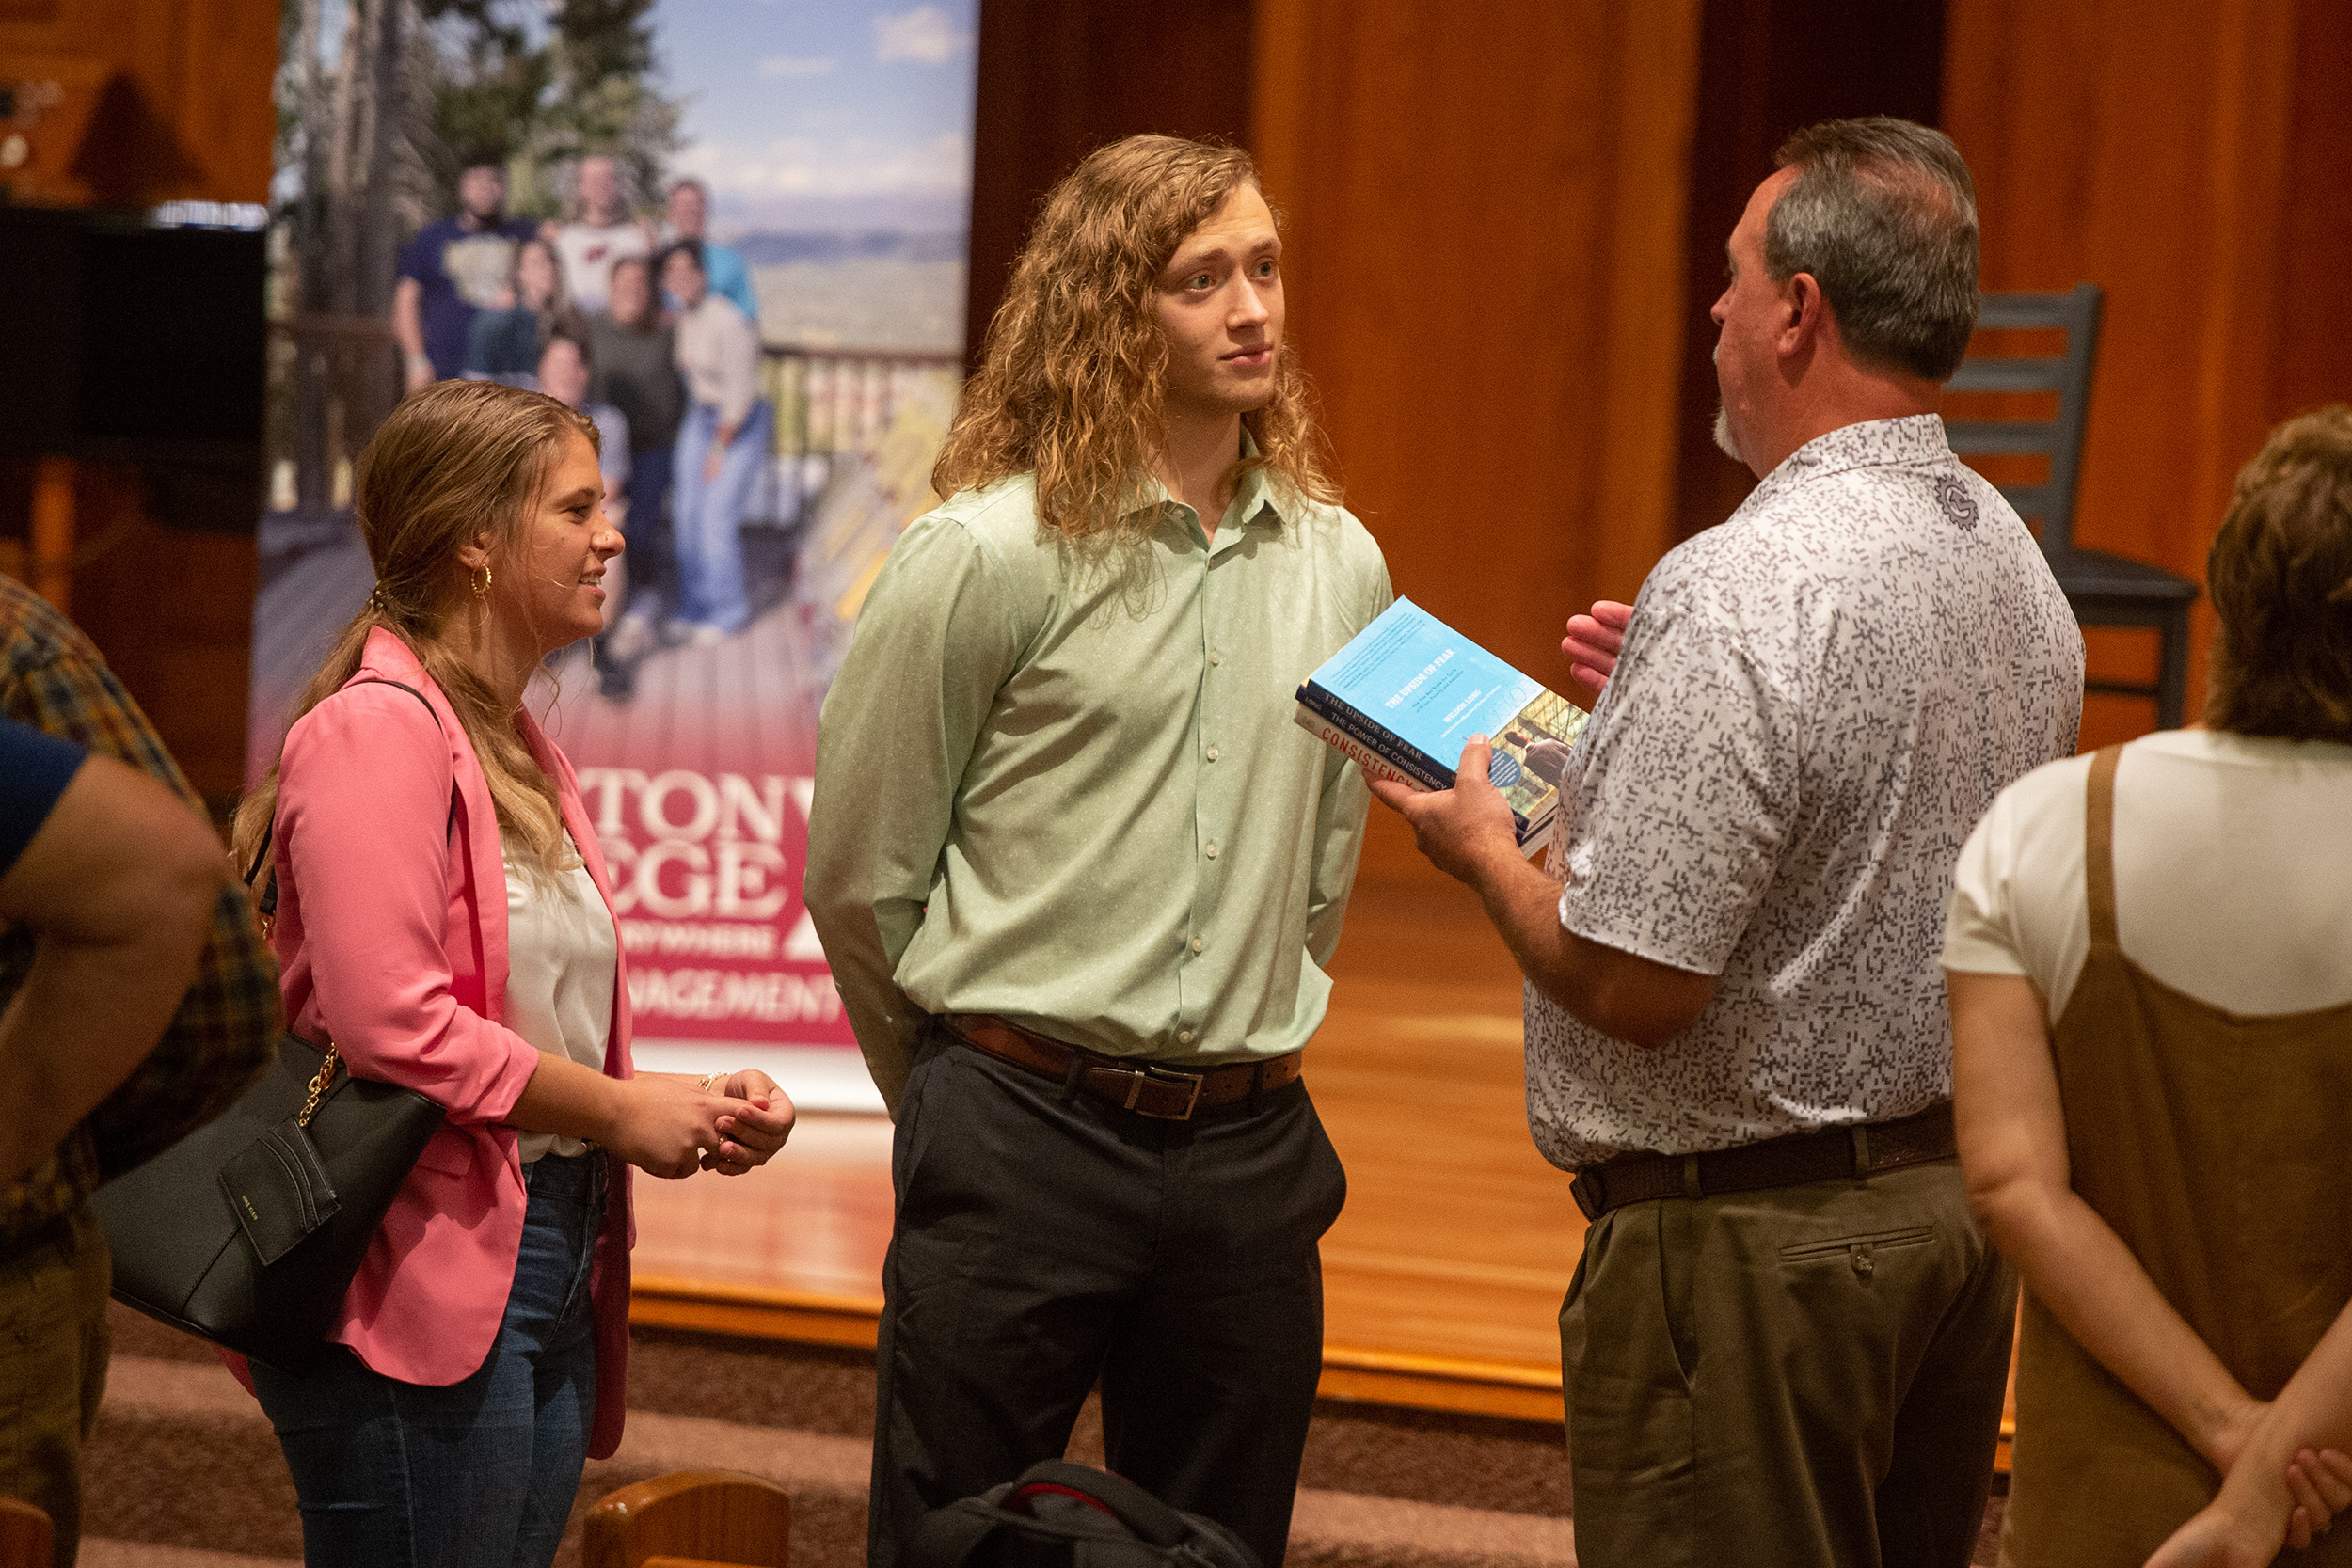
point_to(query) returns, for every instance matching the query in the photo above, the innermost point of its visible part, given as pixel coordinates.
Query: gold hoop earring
(482, 587)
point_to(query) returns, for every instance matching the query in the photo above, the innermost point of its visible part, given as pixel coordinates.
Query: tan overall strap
(2099, 845)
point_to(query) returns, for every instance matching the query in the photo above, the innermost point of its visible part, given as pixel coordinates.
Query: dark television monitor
(125, 341)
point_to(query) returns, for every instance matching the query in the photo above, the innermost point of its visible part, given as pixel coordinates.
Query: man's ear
(1805, 314)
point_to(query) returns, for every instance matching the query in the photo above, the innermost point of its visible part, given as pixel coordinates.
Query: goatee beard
(1722, 434)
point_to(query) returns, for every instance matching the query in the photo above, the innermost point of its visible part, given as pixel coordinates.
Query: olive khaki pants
(1803, 1376)
(53, 1341)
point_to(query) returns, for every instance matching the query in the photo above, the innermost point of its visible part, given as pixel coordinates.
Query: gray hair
(1883, 215)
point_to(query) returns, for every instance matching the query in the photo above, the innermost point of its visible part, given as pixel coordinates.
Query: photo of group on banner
(651, 329)
(771, 381)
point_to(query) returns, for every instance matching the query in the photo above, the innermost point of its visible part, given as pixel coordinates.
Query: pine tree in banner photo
(382, 103)
(549, 84)
(487, 82)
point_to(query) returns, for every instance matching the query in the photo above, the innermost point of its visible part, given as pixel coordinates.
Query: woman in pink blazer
(444, 916)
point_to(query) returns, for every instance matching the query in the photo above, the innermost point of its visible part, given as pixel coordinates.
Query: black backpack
(1065, 1516)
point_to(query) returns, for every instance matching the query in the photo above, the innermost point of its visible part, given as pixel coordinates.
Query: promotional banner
(818, 156)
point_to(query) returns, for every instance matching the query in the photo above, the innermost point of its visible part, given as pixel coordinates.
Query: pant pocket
(1333, 1173)
(1859, 1252)
(906, 1135)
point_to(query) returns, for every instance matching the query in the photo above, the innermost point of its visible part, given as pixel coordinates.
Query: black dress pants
(1046, 1240)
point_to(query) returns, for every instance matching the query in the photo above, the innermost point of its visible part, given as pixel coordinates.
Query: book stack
(1405, 696)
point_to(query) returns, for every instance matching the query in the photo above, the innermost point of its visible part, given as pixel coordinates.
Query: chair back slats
(2004, 438)
(2009, 376)
(2018, 312)
(2074, 312)
(2106, 590)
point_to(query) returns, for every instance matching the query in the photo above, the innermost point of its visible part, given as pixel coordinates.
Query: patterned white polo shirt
(1815, 703)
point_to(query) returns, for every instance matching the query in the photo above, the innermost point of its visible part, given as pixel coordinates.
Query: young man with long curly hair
(1079, 874)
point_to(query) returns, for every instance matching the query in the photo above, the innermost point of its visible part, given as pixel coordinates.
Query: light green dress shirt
(1065, 787)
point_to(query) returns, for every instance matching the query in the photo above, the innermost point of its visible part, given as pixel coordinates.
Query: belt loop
(1690, 1188)
(1070, 1079)
(1861, 1153)
(1257, 1084)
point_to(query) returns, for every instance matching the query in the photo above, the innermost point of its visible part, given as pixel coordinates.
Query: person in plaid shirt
(54, 1267)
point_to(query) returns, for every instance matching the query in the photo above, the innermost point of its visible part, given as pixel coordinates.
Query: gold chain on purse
(318, 1085)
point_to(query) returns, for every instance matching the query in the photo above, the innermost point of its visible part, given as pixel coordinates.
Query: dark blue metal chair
(2104, 590)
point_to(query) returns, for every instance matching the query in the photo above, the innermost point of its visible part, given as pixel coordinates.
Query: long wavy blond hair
(1071, 375)
(456, 460)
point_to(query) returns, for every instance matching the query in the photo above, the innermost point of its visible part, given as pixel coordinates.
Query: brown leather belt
(1831, 1154)
(1147, 1088)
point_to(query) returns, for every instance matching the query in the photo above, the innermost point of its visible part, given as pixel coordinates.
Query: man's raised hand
(1594, 641)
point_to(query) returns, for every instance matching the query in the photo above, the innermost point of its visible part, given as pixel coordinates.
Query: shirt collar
(1869, 444)
(1256, 499)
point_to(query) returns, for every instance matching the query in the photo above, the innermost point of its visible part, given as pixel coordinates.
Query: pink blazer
(392, 935)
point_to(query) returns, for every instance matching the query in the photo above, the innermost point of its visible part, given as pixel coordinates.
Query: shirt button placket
(1202, 810)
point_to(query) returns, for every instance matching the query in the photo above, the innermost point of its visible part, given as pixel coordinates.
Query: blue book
(1405, 696)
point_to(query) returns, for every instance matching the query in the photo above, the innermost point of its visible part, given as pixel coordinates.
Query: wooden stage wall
(1485, 207)
(1485, 265)
(184, 113)
(2193, 159)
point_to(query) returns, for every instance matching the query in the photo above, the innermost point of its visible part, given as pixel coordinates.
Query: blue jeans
(652, 570)
(708, 516)
(480, 1474)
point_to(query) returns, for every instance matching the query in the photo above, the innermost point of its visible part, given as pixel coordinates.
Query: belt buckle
(1151, 1072)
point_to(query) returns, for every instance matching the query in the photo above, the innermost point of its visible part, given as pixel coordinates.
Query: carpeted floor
(183, 1472)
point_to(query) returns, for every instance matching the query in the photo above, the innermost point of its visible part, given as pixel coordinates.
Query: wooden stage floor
(1442, 1279)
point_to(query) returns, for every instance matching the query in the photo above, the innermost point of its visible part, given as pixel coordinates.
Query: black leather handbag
(247, 1231)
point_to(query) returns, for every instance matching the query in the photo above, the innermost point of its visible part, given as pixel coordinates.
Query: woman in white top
(444, 920)
(2150, 959)
(720, 444)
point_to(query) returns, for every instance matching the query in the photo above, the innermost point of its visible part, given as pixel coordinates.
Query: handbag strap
(319, 1082)
(268, 903)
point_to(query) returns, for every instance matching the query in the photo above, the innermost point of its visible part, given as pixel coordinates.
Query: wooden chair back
(691, 1519)
(2077, 313)
(27, 1540)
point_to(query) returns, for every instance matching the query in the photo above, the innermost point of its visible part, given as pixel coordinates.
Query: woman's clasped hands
(2252, 1518)
(668, 1125)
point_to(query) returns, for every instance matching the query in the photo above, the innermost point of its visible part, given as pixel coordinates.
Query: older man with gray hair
(1787, 1340)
